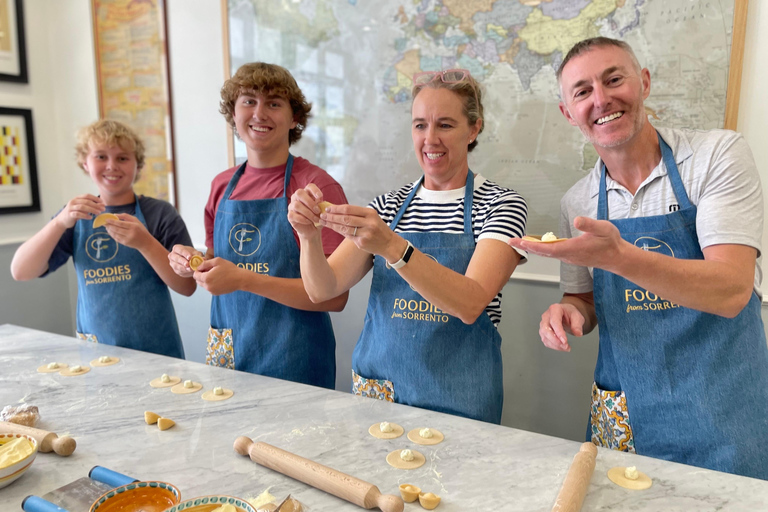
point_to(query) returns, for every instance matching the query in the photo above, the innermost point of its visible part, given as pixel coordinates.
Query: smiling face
(113, 169)
(263, 123)
(441, 133)
(603, 94)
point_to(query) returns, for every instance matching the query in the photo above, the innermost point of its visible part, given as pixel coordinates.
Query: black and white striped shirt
(498, 213)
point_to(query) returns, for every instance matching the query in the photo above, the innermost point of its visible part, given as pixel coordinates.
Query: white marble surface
(478, 466)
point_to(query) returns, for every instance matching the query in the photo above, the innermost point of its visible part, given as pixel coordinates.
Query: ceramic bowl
(147, 496)
(13, 471)
(209, 503)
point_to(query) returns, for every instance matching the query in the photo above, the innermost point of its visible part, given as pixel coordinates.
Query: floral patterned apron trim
(373, 388)
(220, 350)
(87, 337)
(609, 420)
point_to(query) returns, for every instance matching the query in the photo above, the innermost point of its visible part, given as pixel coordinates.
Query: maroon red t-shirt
(268, 184)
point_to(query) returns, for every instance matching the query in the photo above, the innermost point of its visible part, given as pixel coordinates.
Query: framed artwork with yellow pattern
(18, 167)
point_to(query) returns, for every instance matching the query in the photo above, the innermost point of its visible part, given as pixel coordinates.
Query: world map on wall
(355, 61)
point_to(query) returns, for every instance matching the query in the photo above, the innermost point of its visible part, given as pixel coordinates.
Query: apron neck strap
(239, 173)
(469, 191)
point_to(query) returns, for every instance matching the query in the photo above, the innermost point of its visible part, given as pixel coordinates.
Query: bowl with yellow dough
(17, 453)
(217, 503)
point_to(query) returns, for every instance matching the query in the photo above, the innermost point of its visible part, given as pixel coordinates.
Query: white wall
(545, 391)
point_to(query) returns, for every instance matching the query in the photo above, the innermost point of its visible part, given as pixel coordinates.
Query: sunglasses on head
(448, 76)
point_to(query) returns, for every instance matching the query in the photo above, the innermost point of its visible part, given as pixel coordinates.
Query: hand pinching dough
(75, 370)
(393, 430)
(218, 393)
(105, 361)
(187, 387)
(51, 368)
(323, 205)
(397, 459)
(629, 478)
(195, 261)
(426, 436)
(165, 381)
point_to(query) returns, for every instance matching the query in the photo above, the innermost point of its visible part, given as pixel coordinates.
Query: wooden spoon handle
(576, 482)
(321, 477)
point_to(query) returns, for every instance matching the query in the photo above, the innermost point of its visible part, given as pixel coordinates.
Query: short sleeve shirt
(267, 183)
(163, 222)
(719, 174)
(498, 213)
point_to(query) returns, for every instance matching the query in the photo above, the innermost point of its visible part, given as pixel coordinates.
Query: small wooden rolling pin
(46, 441)
(321, 477)
(576, 482)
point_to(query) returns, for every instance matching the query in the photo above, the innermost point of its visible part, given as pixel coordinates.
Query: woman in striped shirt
(439, 256)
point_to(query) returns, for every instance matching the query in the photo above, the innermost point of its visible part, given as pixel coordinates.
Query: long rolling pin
(46, 441)
(321, 477)
(576, 482)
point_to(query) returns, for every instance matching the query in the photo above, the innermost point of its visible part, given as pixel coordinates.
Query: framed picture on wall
(18, 168)
(13, 53)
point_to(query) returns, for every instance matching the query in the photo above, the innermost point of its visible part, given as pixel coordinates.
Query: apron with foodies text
(250, 332)
(120, 298)
(671, 382)
(412, 353)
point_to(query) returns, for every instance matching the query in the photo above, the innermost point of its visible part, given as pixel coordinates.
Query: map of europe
(355, 60)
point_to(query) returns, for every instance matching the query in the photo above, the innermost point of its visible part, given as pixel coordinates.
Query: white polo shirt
(718, 172)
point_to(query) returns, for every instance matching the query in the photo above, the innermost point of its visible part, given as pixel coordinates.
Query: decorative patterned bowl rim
(213, 499)
(26, 460)
(133, 485)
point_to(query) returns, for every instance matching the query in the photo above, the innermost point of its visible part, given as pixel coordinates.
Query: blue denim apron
(250, 332)
(120, 298)
(671, 382)
(410, 352)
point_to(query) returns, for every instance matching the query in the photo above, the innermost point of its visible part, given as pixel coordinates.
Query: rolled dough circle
(208, 395)
(45, 369)
(616, 475)
(394, 460)
(179, 388)
(112, 360)
(375, 431)
(437, 437)
(67, 372)
(157, 383)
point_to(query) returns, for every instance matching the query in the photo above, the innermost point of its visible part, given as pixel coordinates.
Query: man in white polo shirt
(663, 258)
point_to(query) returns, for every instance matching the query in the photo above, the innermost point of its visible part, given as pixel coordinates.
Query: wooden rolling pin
(321, 477)
(576, 482)
(46, 441)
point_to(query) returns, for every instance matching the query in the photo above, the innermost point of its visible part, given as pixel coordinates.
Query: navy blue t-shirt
(163, 222)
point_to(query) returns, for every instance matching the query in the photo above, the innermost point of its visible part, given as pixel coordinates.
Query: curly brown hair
(263, 78)
(110, 133)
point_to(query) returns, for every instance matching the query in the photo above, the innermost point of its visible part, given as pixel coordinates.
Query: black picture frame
(17, 122)
(17, 51)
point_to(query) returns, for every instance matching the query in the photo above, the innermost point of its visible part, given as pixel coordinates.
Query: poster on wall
(133, 83)
(13, 55)
(18, 169)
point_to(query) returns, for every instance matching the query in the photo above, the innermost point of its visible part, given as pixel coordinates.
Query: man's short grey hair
(596, 42)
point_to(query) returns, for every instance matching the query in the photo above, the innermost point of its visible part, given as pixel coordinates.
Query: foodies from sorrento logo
(244, 239)
(639, 299)
(418, 309)
(101, 247)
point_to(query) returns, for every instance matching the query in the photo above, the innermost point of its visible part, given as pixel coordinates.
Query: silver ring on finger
(354, 233)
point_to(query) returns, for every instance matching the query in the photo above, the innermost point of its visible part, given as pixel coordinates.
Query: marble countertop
(478, 467)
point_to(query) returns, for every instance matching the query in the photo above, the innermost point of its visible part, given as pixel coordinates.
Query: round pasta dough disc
(45, 369)
(616, 475)
(112, 360)
(179, 388)
(157, 383)
(67, 372)
(375, 431)
(437, 437)
(529, 238)
(211, 397)
(394, 460)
